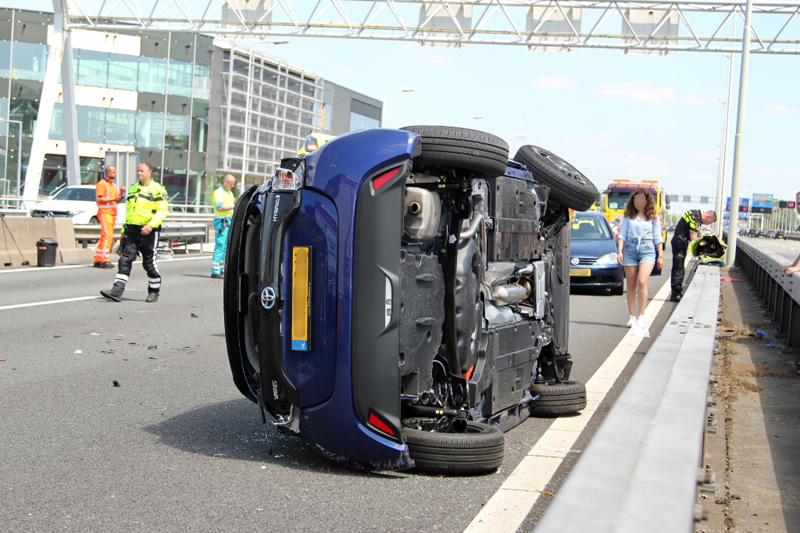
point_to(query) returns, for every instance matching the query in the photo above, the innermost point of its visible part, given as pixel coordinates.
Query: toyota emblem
(574, 261)
(268, 298)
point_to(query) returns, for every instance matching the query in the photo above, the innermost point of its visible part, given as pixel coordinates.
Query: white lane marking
(50, 269)
(65, 300)
(515, 498)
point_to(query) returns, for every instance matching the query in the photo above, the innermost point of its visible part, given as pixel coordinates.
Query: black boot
(114, 294)
(152, 297)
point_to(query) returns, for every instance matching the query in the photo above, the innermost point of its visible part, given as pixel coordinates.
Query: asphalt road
(787, 249)
(175, 447)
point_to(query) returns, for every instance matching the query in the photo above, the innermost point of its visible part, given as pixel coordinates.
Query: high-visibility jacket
(220, 198)
(103, 188)
(146, 205)
(690, 222)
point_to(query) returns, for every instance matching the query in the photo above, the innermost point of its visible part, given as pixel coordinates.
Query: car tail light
(380, 424)
(384, 178)
(287, 180)
(301, 297)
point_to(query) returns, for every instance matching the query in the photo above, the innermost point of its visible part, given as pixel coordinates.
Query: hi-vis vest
(222, 197)
(106, 188)
(146, 205)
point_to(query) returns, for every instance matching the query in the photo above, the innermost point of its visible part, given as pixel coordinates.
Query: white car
(76, 202)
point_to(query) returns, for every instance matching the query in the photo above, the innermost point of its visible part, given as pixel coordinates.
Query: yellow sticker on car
(580, 272)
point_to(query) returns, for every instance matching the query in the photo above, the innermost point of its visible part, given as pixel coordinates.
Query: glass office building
(194, 107)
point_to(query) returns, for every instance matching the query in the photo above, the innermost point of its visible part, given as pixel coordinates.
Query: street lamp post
(19, 152)
(476, 117)
(383, 107)
(730, 257)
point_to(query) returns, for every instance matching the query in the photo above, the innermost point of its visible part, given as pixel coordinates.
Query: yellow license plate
(580, 271)
(301, 297)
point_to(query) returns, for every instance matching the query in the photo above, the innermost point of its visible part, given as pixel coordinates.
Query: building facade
(194, 107)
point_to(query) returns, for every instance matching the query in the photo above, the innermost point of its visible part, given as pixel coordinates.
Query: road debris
(77, 351)
(195, 316)
(116, 383)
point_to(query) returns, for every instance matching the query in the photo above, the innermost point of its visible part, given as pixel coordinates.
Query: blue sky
(616, 115)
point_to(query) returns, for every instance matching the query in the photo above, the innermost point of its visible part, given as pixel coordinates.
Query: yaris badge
(268, 298)
(574, 261)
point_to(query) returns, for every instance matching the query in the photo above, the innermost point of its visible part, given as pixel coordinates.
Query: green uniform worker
(223, 211)
(145, 211)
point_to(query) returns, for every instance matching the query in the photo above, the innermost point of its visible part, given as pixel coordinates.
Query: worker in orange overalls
(107, 199)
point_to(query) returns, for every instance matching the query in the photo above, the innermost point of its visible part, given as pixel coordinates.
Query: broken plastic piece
(195, 316)
(116, 383)
(762, 334)
(77, 351)
(772, 345)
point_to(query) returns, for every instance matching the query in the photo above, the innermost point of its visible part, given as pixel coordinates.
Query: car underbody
(400, 298)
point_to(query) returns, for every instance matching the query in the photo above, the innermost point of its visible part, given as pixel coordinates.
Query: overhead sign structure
(744, 207)
(655, 27)
(762, 203)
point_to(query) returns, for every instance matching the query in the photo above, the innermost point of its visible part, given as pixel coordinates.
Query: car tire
(558, 398)
(478, 451)
(460, 148)
(230, 311)
(94, 220)
(617, 291)
(568, 185)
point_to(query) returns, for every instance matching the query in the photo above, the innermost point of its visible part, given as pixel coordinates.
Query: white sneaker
(640, 323)
(631, 322)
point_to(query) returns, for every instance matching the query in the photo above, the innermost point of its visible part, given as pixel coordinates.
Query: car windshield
(76, 193)
(589, 229)
(618, 200)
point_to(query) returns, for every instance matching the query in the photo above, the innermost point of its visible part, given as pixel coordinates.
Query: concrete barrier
(641, 470)
(27, 231)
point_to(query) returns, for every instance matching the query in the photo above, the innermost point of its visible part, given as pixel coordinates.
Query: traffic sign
(744, 207)
(762, 203)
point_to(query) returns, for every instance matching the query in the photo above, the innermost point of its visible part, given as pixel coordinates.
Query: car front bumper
(600, 276)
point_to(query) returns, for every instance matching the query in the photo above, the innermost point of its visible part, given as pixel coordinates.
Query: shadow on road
(232, 429)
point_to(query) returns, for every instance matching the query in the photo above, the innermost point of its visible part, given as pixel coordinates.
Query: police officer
(146, 210)
(224, 202)
(687, 230)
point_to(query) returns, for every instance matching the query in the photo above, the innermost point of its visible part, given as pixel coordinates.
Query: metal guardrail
(13, 212)
(184, 233)
(781, 293)
(640, 470)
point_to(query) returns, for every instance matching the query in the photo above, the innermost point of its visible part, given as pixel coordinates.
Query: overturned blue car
(400, 298)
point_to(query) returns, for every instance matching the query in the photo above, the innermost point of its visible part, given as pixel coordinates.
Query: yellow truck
(616, 197)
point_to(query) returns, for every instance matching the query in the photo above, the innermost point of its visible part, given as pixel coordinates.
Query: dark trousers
(136, 243)
(679, 246)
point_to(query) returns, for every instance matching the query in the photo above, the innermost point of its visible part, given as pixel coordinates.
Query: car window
(76, 193)
(589, 229)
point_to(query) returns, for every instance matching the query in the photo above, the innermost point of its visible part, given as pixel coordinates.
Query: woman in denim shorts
(640, 247)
